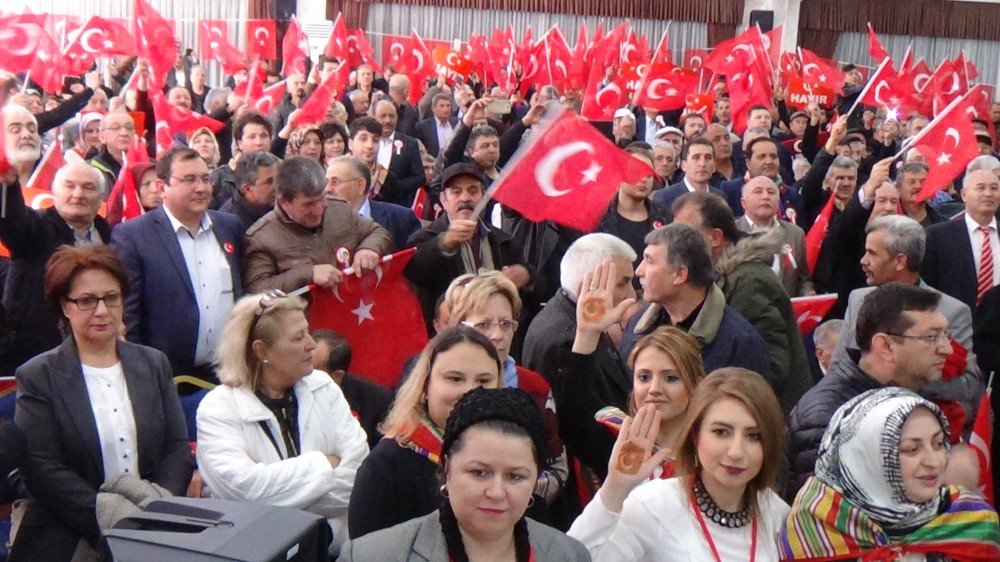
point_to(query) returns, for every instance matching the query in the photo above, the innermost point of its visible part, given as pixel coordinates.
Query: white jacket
(238, 461)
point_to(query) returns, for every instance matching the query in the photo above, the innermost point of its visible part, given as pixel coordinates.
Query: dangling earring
(444, 491)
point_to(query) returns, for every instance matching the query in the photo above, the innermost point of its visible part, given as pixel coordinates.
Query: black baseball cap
(461, 169)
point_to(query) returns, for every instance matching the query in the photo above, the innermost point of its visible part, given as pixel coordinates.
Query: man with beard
(32, 237)
(631, 215)
(456, 243)
(295, 93)
(910, 179)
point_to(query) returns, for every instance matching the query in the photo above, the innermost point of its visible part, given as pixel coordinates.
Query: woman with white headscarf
(878, 491)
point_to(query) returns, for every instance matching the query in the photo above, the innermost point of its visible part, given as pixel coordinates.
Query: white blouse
(657, 524)
(115, 420)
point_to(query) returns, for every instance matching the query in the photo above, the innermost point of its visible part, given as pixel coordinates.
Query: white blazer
(238, 461)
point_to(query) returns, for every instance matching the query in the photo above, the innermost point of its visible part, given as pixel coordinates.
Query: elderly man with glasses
(117, 130)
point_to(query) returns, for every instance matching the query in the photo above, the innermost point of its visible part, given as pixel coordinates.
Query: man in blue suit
(698, 164)
(183, 266)
(348, 178)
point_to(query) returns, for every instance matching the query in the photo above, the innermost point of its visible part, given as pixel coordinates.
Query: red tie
(985, 279)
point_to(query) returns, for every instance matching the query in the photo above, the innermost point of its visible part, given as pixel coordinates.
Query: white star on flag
(945, 158)
(363, 312)
(590, 174)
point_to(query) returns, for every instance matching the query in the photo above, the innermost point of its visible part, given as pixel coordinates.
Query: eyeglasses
(266, 302)
(334, 182)
(193, 179)
(940, 338)
(487, 325)
(116, 128)
(89, 302)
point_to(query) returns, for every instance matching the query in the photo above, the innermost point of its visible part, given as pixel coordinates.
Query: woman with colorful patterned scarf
(878, 495)
(398, 481)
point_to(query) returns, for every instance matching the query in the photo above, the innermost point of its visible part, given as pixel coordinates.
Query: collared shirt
(115, 419)
(181, 78)
(776, 261)
(510, 372)
(444, 132)
(211, 279)
(976, 236)
(385, 150)
(89, 237)
(651, 127)
(366, 209)
(692, 188)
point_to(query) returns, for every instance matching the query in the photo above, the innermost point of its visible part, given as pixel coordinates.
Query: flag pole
(868, 86)
(349, 271)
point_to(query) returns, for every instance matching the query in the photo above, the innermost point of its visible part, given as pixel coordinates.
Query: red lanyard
(711, 543)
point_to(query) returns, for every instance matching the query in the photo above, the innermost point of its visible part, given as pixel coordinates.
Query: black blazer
(427, 134)
(162, 310)
(948, 264)
(398, 220)
(406, 165)
(64, 467)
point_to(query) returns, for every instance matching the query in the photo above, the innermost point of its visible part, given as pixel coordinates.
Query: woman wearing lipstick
(277, 431)
(721, 508)
(93, 409)
(493, 449)
(878, 492)
(398, 481)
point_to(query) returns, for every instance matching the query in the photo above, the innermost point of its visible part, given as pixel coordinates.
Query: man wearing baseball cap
(458, 242)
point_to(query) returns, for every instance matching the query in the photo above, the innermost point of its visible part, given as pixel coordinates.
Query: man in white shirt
(436, 131)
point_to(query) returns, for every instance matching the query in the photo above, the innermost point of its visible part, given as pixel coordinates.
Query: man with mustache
(32, 237)
(458, 243)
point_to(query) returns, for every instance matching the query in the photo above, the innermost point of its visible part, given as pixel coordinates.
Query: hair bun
(505, 404)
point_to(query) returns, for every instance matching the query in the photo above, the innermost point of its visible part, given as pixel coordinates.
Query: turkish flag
(964, 65)
(980, 99)
(215, 45)
(771, 42)
(558, 59)
(816, 234)
(45, 172)
(981, 441)
(702, 104)
(579, 66)
(633, 50)
(336, 45)
(295, 50)
(738, 50)
(378, 315)
(180, 118)
(20, 37)
(918, 74)
(567, 174)
(155, 39)
(419, 65)
(49, 66)
(662, 54)
(61, 28)
(4, 163)
(665, 87)
(817, 71)
(947, 84)
(128, 192)
(600, 101)
(451, 61)
(695, 58)
(359, 50)
(886, 89)
(747, 88)
(269, 98)
(318, 103)
(809, 311)
(952, 138)
(260, 40)
(99, 36)
(875, 48)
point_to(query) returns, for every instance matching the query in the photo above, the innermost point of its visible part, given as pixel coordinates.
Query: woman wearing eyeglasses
(489, 304)
(276, 431)
(93, 409)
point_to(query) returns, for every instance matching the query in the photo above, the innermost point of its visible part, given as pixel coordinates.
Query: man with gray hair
(32, 237)
(825, 338)
(399, 92)
(678, 281)
(551, 334)
(254, 195)
(894, 250)
(349, 178)
(297, 243)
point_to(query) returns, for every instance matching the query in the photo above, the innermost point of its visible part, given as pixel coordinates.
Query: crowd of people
(639, 392)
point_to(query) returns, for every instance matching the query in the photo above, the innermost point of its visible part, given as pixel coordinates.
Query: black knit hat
(505, 404)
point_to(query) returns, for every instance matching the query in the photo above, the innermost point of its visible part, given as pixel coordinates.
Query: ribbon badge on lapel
(229, 248)
(399, 146)
(789, 256)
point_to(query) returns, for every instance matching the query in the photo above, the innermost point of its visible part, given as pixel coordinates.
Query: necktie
(985, 279)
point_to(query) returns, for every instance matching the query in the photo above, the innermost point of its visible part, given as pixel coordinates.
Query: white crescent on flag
(545, 171)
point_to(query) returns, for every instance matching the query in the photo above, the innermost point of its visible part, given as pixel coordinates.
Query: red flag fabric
(952, 138)
(947, 84)
(981, 441)
(816, 234)
(20, 37)
(360, 51)
(50, 66)
(4, 163)
(980, 99)
(558, 59)
(179, 118)
(886, 89)
(45, 172)
(419, 203)
(99, 36)
(137, 152)
(665, 87)
(155, 40)
(918, 74)
(579, 65)
(567, 174)
(742, 47)
(316, 105)
(419, 66)
(601, 101)
(701, 104)
(295, 49)
(747, 88)
(370, 312)
(875, 48)
(695, 58)
(451, 63)
(809, 311)
(269, 98)
(126, 191)
(772, 44)
(336, 45)
(817, 71)
(260, 40)
(215, 45)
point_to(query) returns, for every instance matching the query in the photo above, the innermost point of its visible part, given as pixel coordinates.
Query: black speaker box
(763, 18)
(204, 530)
